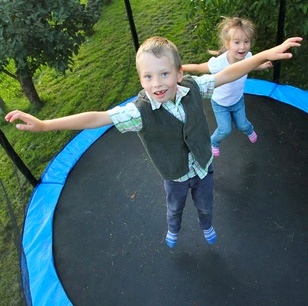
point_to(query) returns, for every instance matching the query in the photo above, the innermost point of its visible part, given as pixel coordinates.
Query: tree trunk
(29, 90)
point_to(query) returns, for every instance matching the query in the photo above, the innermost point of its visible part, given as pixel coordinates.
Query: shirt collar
(180, 93)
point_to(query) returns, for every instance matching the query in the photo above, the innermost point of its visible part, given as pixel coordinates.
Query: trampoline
(95, 226)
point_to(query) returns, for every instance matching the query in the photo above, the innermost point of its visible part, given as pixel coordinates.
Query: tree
(36, 33)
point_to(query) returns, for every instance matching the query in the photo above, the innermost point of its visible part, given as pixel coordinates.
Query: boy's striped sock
(171, 239)
(210, 235)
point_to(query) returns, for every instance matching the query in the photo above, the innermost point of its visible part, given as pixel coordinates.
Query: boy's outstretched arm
(237, 70)
(86, 120)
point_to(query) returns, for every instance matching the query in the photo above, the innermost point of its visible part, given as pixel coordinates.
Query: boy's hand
(31, 123)
(278, 52)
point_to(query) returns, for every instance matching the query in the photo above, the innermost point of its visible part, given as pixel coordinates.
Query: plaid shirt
(127, 118)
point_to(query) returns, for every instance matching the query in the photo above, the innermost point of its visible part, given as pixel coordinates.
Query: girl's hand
(30, 123)
(265, 65)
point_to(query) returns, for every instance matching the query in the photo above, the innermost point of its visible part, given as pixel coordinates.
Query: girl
(236, 36)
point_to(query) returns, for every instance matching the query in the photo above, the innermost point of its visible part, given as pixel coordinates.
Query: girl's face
(238, 46)
(159, 76)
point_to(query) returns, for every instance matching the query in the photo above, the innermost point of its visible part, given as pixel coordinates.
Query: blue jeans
(225, 115)
(202, 195)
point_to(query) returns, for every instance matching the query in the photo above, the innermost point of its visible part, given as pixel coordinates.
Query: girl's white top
(230, 93)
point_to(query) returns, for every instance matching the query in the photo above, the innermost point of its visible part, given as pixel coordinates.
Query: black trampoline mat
(110, 224)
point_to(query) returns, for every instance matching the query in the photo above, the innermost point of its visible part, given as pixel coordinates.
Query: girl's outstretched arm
(196, 68)
(237, 70)
(86, 120)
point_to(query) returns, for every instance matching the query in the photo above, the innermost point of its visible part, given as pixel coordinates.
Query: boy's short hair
(160, 46)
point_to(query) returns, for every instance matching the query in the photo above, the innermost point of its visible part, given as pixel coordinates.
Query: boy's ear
(140, 79)
(180, 75)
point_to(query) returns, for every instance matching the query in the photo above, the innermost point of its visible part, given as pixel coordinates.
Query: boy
(169, 119)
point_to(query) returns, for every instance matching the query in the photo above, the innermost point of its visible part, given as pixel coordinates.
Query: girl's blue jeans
(202, 195)
(225, 115)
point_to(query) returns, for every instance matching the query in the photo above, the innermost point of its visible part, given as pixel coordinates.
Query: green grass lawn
(104, 75)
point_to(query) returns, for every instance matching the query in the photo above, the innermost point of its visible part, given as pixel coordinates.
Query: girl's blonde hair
(226, 30)
(160, 46)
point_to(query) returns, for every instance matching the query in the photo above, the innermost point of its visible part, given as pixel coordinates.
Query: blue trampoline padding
(283, 93)
(45, 288)
(44, 285)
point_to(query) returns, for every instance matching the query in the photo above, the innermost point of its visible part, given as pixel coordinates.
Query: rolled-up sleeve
(126, 118)
(206, 84)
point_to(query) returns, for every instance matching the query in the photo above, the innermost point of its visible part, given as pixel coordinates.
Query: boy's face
(159, 76)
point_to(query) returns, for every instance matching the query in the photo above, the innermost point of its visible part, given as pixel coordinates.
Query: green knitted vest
(167, 140)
